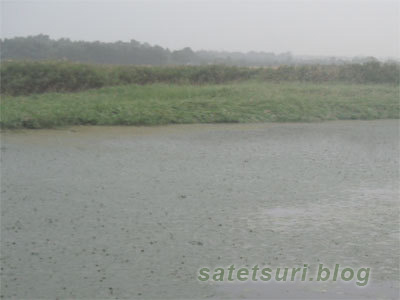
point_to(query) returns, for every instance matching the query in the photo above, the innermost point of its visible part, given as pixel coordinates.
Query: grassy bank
(166, 104)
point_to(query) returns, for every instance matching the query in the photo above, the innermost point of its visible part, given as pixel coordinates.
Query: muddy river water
(134, 212)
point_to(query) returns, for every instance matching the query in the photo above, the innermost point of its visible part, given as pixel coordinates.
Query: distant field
(244, 102)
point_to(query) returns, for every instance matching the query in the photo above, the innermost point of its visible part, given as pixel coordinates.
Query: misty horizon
(303, 28)
(203, 49)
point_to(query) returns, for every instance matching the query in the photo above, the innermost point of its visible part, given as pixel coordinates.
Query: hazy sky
(316, 27)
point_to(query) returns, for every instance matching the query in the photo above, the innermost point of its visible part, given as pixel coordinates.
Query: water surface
(134, 212)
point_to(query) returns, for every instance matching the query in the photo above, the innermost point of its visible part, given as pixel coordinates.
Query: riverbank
(158, 104)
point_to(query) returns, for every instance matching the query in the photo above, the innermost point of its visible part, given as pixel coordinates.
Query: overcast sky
(315, 27)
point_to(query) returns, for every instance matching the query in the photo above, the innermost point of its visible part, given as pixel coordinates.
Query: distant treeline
(28, 77)
(41, 47)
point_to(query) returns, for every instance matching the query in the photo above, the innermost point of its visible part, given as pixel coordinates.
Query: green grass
(167, 104)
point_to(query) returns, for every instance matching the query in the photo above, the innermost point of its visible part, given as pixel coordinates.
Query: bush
(35, 77)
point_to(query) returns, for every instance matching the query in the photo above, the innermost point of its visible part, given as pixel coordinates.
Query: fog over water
(318, 27)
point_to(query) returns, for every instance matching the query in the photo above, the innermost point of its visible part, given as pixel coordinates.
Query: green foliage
(35, 77)
(29, 77)
(168, 104)
(369, 72)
